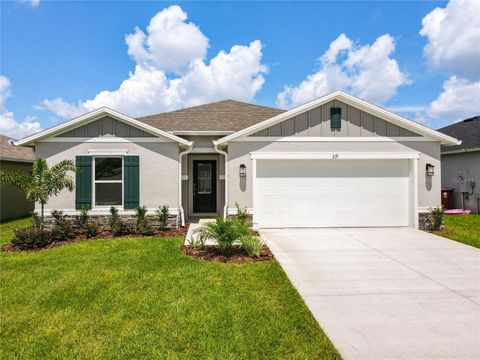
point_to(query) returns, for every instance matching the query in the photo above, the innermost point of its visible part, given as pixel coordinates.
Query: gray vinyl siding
(14, 203)
(106, 127)
(316, 122)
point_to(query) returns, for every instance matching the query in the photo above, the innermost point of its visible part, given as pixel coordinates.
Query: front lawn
(143, 298)
(462, 228)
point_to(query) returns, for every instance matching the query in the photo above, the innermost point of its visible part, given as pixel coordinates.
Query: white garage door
(331, 193)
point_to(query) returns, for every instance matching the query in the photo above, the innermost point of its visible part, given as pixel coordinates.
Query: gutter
(180, 207)
(460, 151)
(224, 153)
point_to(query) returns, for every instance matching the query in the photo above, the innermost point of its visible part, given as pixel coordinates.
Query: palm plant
(43, 182)
(223, 231)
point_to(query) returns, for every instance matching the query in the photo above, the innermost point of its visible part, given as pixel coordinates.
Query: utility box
(447, 198)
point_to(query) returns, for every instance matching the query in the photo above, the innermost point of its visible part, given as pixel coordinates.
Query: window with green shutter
(131, 186)
(83, 182)
(335, 118)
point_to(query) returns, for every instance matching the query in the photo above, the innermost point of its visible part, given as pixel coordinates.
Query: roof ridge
(209, 104)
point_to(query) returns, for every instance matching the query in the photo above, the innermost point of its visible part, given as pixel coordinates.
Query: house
(461, 164)
(13, 202)
(335, 161)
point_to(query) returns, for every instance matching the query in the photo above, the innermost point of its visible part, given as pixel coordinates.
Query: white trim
(92, 116)
(202, 133)
(105, 139)
(225, 154)
(254, 192)
(460, 151)
(180, 178)
(107, 152)
(352, 101)
(413, 165)
(94, 182)
(331, 139)
(203, 150)
(333, 155)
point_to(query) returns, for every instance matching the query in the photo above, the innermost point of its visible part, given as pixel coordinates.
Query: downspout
(224, 153)
(180, 207)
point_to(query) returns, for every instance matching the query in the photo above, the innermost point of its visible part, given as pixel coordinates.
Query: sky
(62, 59)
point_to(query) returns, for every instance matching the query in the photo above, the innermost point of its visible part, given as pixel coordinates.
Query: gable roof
(467, 130)
(222, 116)
(350, 100)
(95, 115)
(11, 152)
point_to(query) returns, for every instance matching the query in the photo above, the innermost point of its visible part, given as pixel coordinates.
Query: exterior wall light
(430, 169)
(243, 170)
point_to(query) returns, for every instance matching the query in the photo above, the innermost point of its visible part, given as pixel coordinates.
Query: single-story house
(333, 162)
(13, 201)
(461, 164)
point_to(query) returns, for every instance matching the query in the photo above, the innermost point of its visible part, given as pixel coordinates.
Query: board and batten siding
(158, 169)
(316, 122)
(105, 126)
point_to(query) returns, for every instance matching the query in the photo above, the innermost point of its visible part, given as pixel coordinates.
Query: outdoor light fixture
(430, 169)
(243, 170)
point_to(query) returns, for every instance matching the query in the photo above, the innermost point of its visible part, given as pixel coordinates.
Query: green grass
(6, 229)
(142, 298)
(462, 228)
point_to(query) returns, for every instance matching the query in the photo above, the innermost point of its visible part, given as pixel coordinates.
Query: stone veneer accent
(102, 219)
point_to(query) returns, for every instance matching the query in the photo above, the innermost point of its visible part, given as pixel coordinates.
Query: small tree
(162, 214)
(43, 183)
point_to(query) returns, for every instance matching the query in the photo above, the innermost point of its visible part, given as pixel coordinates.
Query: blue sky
(56, 57)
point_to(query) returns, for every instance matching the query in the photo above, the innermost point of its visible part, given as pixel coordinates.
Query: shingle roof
(467, 130)
(10, 152)
(226, 115)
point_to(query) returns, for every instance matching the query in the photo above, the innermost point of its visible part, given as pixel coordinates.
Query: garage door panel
(332, 193)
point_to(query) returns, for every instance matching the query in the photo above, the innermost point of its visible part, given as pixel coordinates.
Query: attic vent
(335, 118)
(10, 141)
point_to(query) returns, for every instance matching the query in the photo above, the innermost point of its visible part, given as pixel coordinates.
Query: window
(108, 181)
(335, 118)
(204, 178)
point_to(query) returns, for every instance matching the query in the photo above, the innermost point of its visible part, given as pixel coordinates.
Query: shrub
(90, 229)
(117, 226)
(242, 214)
(83, 217)
(141, 222)
(436, 217)
(162, 214)
(252, 245)
(223, 231)
(196, 242)
(62, 226)
(36, 221)
(32, 238)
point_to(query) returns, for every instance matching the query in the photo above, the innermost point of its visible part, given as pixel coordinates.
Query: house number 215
(334, 156)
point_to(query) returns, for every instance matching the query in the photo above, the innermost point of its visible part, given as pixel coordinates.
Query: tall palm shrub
(43, 183)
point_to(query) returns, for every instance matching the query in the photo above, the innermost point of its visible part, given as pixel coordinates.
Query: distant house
(461, 163)
(13, 201)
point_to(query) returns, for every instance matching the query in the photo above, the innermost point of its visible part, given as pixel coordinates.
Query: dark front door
(204, 186)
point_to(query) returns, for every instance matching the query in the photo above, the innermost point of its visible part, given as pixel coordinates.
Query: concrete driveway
(386, 293)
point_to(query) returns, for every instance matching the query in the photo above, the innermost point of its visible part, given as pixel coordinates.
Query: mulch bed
(175, 232)
(236, 256)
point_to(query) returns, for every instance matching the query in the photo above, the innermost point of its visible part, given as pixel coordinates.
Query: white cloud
(172, 45)
(8, 125)
(453, 35)
(33, 3)
(367, 71)
(460, 99)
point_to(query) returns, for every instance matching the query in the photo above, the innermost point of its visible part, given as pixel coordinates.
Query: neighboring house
(336, 161)
(13, 202)
(461, 163)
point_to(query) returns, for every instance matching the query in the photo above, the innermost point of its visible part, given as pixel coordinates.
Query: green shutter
(83, 182)
(335, 118)
(131, 182)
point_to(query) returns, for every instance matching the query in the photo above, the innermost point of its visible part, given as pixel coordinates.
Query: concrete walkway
(386, 293)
